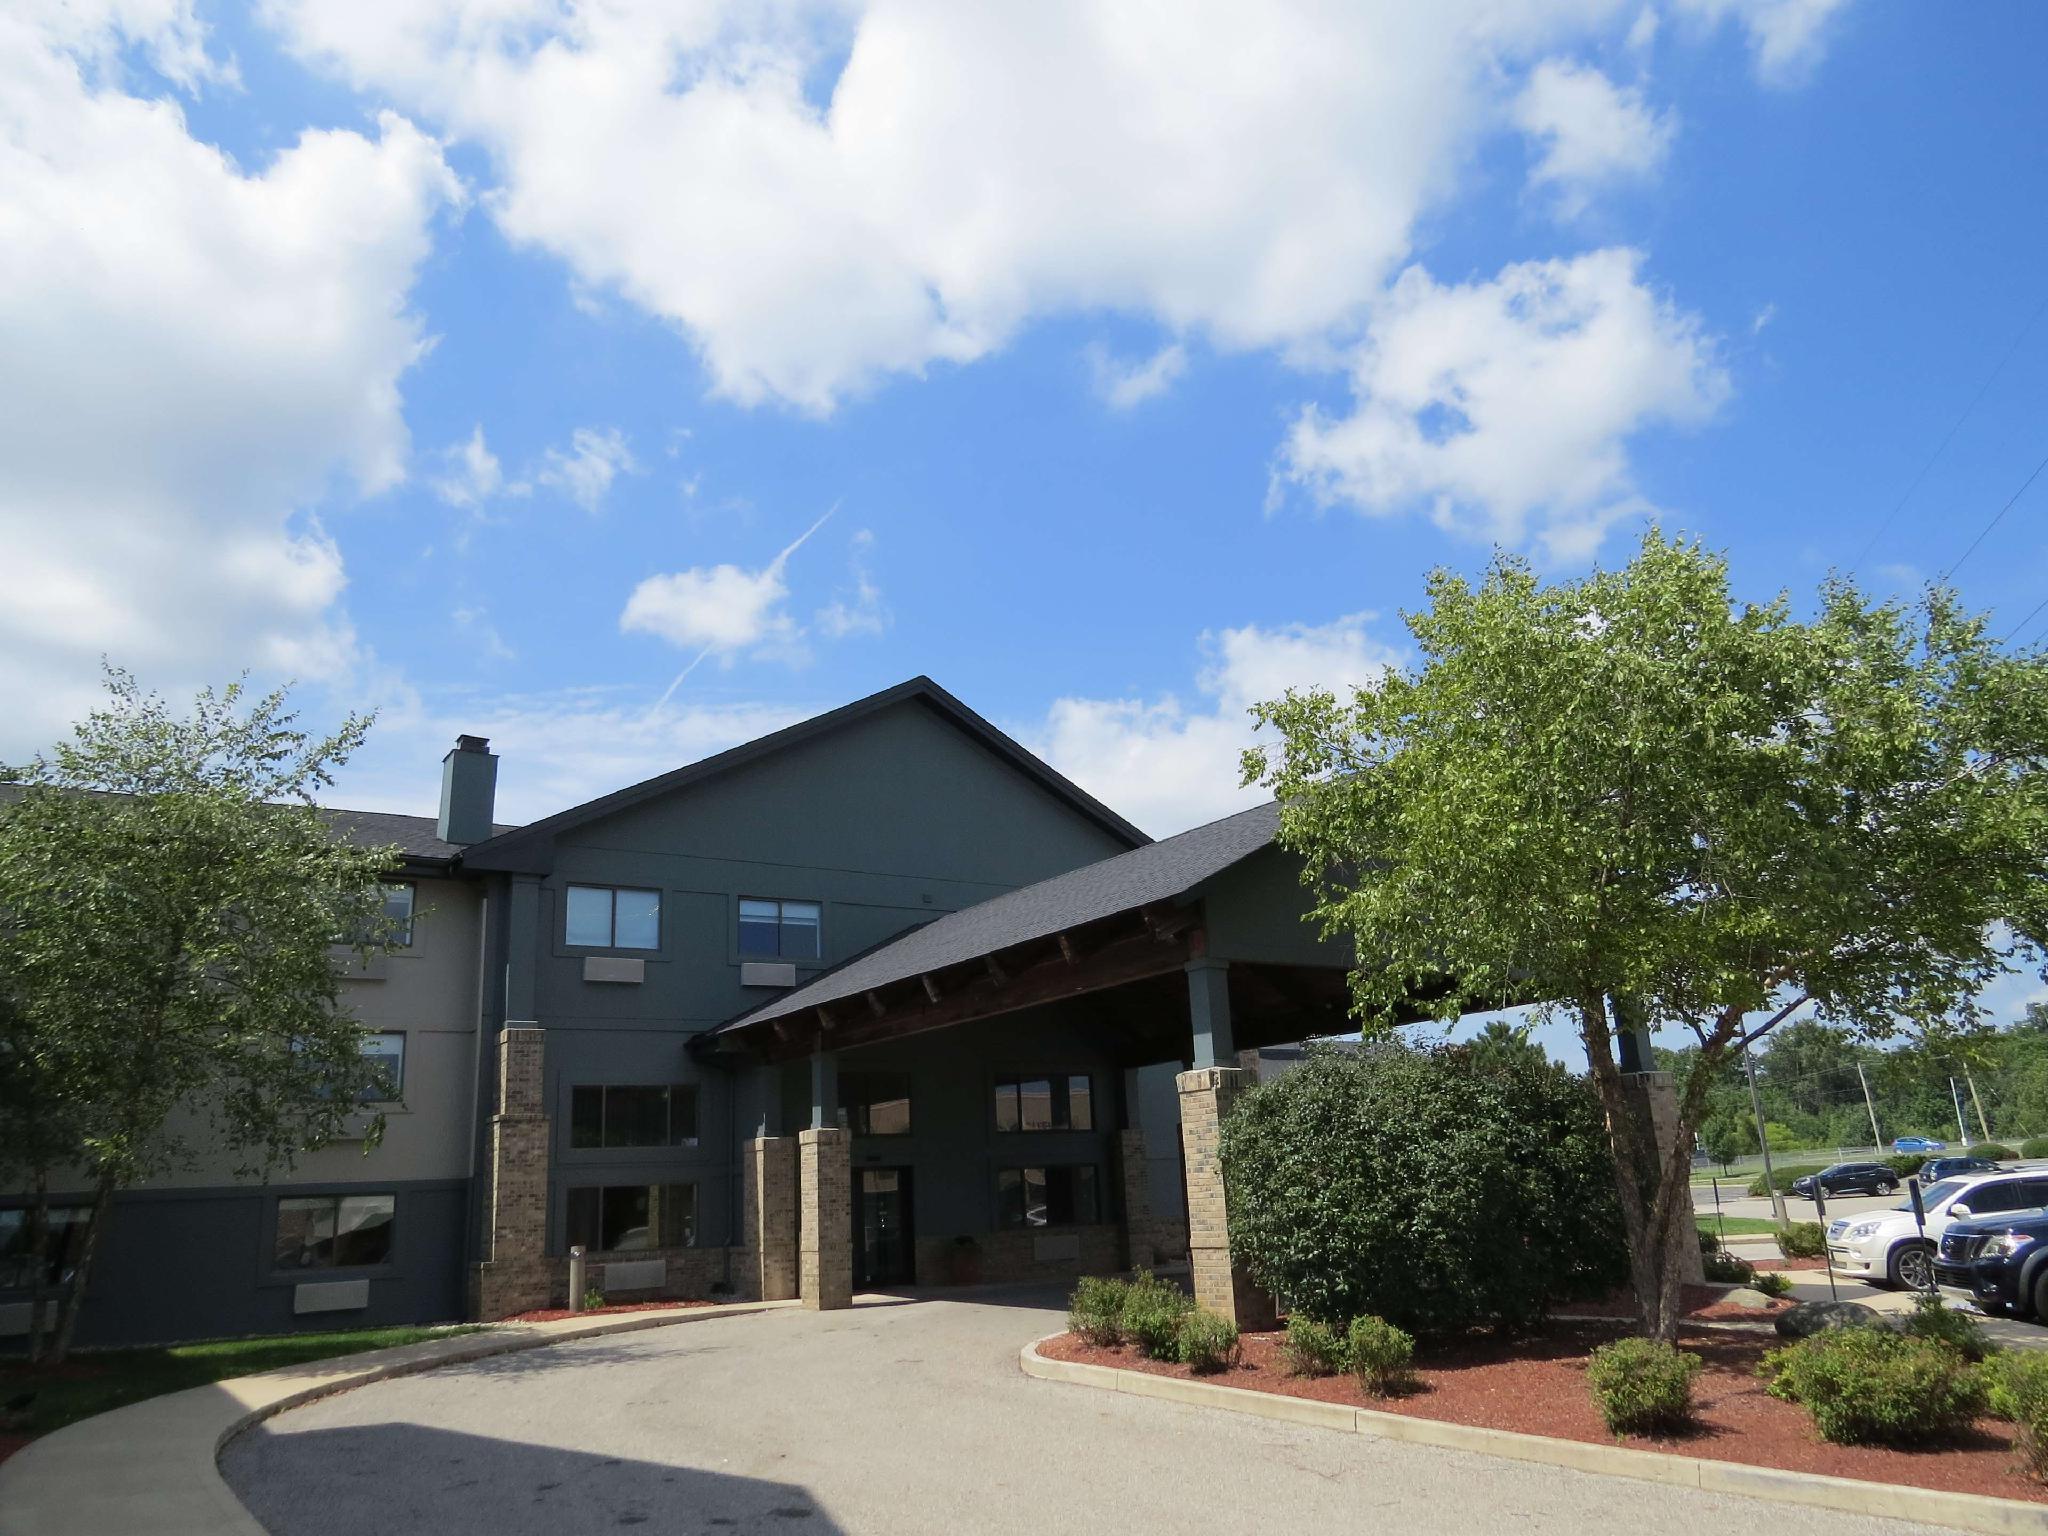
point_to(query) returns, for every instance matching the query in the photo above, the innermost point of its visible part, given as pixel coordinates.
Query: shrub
(1380, 1355)
(1642, 1385)
(593, 1299)
(1207, 1342)
(1772, 1282)
(1998, 1152)
(1934, 1320)
(1803, 1240)
(2034, 1146)
(1429, 1188)
(1906, 1164)
(1096, 1309)
(1874, 1386)
(1314, 1348)
(1783, 1177)
(1152, 1316)
(1709, 1241)
(1726, 1268)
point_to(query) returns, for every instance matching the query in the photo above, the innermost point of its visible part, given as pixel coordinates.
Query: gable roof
(1164, 871)
(505, 850)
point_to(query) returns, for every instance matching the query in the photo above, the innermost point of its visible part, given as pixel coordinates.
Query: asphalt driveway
(900, 1418)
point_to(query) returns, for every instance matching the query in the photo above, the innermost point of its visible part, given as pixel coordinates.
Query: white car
(1886, 1248)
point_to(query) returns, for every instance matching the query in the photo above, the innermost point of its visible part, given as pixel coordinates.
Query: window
(602, 917)
(334, 1231)
(620, 1218)
(779, 930)
(385, 1050)
(398, 914)
(633, 1116)
(1046, 1197)
(877, 1103)
(60, 1251)
(1045, 1104)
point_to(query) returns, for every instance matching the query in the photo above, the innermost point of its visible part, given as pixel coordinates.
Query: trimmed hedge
(1997, 1151)
(1152, 1315)
(1207, 1342)
(2034, 1146)
(1096, 1310)
(1428, 1188)
(1313, 1348)
(1871, 1386)
(1642, 1385)
(1726, 1269)
(1784, 1177)
(2016, 1383)
(1803, 1240)
(1380, 1355)
(1906, 1164)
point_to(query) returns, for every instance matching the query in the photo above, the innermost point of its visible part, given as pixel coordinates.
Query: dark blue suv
(2000, 1263)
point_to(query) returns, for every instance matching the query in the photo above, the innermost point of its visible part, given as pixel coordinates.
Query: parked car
(1937, 1168)
(1848, 1179)
(1886, 1248)
(1919, 1144)
(2000, 1265)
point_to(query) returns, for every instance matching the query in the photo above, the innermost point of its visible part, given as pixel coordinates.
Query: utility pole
(1982, 1124)
(1876, 1136)
(1963, 1126)
(1763, 1140)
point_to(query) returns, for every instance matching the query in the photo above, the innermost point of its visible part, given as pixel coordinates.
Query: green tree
(1500, 1045)
(169, 901)
(1628, 787)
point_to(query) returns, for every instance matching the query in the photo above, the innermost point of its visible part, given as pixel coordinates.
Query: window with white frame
(384, 1049)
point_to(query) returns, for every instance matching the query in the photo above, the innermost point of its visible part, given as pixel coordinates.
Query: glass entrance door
(883, 1251)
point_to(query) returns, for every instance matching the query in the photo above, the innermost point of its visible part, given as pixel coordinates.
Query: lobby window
(613, 917)
(385, 1051)
(1046, 1197)
(622, 1218)
(334, 1231)
(877, 1103)
(632, 1115)
(1064, 1103)
(779, 930)
(60, 1251)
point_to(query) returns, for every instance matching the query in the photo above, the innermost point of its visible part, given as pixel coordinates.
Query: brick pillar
(517, 1275)
(1138, 1223)
(825, 1217)
(768, 1216)
(1220, 1286)
(1653, 1100)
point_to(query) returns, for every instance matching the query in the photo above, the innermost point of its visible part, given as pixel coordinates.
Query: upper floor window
(334, 1231)
(779, 930)
(1045, 1103)
(601, 1115)
(614, 917)
(396, 912)
(385, 1050)
(877, 1103)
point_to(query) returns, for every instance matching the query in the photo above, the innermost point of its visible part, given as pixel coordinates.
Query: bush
(1772, 1282)
(1784, 1177)
(1207, 1342)
(1803, 1240)
(1939, 1323)
(1874, 1386)
(1096, 1309)
(1429, 1188)
(1642, 1385)
(1726, 1268)
(594, 1299)
(1906, 1164)
(1314, 1348)
(2034, 1146)
(1998, 1152)
(1709, 1242)
(1152, 1316)
(1380, 1355)
(2015, 1384)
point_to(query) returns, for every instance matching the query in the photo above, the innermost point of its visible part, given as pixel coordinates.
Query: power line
(1955, 427)
(2023, 623)
(1997, 518)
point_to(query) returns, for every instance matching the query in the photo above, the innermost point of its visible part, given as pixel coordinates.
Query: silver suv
(1885, 1248)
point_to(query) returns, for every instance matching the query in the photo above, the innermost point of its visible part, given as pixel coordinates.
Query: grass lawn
(94, 1381)
(1739, 1226)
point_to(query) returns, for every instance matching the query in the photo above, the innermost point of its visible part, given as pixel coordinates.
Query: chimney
(469, 791)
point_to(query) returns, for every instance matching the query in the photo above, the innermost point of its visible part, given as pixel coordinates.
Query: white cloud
(1786, 37)
(1123, 384)
(1504, 407)
(474, 620)
(1169, 764)
(859, 611)
(473, 475)
(585, 470)
(190, 356)
(1593, 132)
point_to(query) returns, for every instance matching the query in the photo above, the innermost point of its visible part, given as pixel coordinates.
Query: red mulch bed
(1703, 1303)
(1537, 1385)
(556, 1314)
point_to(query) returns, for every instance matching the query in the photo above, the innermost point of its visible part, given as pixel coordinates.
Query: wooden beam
(826, 1022)
(1068, 951)
(1166, 923)
(996, 973)
(931, 986)
(875, 1004)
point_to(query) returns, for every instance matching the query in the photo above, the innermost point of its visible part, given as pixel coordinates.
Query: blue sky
(485, 364)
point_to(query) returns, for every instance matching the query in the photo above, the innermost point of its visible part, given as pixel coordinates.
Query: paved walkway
(889, 1418)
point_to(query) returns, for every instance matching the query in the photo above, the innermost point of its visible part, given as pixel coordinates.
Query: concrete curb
(152, 1468)
(1963, 1511)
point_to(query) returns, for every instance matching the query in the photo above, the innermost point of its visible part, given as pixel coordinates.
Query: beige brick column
(1653, 1099)
(768, 1216)
(1138, 1241)
(1205, 1098)
(825, 1217)
(517, 1275)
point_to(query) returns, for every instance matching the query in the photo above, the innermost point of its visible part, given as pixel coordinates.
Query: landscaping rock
(1810, 1317)
(1743, 1296)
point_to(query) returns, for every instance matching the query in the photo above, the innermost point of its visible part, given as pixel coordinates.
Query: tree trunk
(74, 1299)
(38, 1262)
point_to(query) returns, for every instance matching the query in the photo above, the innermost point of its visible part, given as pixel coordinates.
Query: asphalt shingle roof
(1157, 872)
